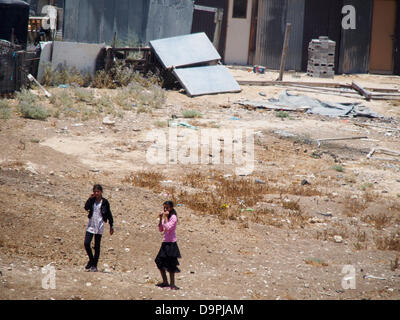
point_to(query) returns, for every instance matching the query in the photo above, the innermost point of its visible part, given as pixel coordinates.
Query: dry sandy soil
(47, 170)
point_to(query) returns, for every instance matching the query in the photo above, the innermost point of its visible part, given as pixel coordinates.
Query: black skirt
(167, 257)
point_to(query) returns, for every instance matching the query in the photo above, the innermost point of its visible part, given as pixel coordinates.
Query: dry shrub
(5, 110)
(336, 230)
(395, 264)
(145, 179)
(361, 240)
(290, 204)
(380, 220)
(30, 107)
(391, 242)
(65, 75)
(299, 190)
(316, 262)
(266, 216)
(353, 206)
(194, 179)
(370, 196)
(246, 190)
(121, 75)
(203, 202)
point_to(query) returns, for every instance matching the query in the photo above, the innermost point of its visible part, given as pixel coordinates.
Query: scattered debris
(384, 151)
(108, 121)
(338, 239)
(325, 214)
(32, 79)
(304, 182)
(372, 277)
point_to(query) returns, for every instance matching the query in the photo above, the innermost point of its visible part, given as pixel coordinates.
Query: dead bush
(391, 242)
(353, 206)
(145, 179)
(65, 75)
(380, 220)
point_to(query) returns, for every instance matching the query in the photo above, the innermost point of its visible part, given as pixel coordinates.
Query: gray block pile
(321, 58)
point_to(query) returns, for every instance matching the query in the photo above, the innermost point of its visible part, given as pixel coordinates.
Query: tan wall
(238, 36)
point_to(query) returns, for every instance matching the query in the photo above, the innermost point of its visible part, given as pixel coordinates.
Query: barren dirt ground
(47, 170)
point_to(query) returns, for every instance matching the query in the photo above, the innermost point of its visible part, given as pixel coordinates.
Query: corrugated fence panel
(134, 21)
(355, 45)
(169, 18)
(122, 19)
(109, 21)
(71, 18)
(295, 16)
(137, 20)
(270, 32)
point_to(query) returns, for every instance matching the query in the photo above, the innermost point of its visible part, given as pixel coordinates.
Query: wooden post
(284, 51)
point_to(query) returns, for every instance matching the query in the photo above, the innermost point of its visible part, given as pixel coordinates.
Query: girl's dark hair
(98, 187)
(171, 205)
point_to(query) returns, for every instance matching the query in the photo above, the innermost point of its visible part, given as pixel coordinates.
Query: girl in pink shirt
(167, 257)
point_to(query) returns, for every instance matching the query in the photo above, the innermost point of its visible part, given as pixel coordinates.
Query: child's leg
(88, 240)
(164, 277)
(97, 241)
(172, 282)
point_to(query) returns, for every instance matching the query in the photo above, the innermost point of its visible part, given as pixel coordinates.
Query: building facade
(366, 32)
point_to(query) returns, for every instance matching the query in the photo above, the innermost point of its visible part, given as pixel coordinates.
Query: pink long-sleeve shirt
(169, 229)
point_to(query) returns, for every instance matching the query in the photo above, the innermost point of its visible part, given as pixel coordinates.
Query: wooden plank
(311, 84)
(361, 90)
(337, 139)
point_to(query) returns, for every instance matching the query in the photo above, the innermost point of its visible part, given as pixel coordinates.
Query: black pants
(97, 240)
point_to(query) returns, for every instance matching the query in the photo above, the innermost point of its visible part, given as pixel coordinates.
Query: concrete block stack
(321, 58)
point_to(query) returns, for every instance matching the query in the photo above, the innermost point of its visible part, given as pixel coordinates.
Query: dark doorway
(204, 21)
(322, 18)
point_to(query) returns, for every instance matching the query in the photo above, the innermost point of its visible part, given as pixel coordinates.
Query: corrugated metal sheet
(355, 45)
(168, 18)
(206, 80)
(272, 18)
(295, 16)
(96, 21)
(190, 49)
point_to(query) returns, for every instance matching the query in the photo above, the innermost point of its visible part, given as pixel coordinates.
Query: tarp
(314, 106)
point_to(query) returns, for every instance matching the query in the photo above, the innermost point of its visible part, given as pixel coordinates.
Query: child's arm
(160, 226)
(171, 224)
